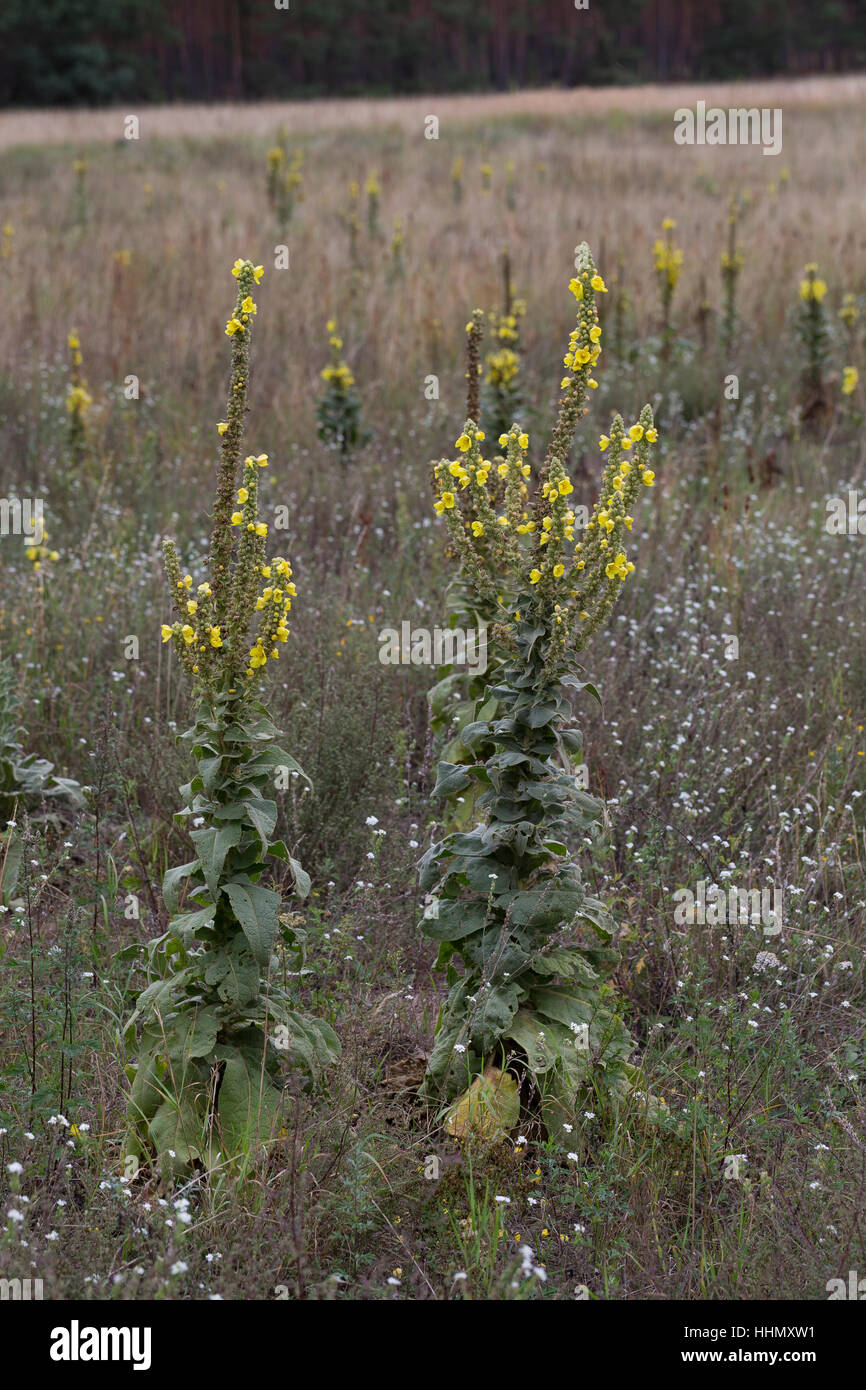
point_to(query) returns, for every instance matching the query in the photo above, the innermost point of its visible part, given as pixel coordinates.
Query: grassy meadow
(725, 762)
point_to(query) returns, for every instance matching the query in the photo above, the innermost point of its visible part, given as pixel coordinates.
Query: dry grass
(407, 113)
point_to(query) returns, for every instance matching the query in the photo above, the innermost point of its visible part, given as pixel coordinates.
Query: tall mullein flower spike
(509, 900)
(474, 334)
(212, 629)
(239, 329)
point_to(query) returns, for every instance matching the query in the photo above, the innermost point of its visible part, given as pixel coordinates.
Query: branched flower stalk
(215, 1022)
(505, 897)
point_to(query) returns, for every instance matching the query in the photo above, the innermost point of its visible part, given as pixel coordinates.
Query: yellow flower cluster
(849, 313)
(275, 601)
(78, 398)
(206, 634)
(668, 257)
(517, 553)
(812, 288)
(78, 401)
(850, 378)
(248, 307)
(38, 554)
(502, 367)
(338, 373)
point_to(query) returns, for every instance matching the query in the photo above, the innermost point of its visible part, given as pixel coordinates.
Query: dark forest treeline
(92, 51)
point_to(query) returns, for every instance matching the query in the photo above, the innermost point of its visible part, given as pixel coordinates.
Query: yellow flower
(463, 443)
(167, 632)
(192, 606)
(262, 528)
(598, 284)
(243, 494)
(603, 442)
(652, 435)
(636, 433)
(565, 487)
(850, 377)
(215, 638)
(534, 576)
(236, 518)
(188, 634)
(234, 326)
(558, 571)
(477, 529)
(648, 477)
(523, 441)
(448, 500)
(222, 427)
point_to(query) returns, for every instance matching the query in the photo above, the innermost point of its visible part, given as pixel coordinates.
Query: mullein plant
(501, 402)
(505, 897)
(215, 1025)
(290, 191)
(457, 179)
(78, 402)
(397, 264)
(338, 409)
(79, 197)
(373, 189)
(276, 160)
(813, 331)
(668, 260)
(732, 264)
(352, 221)
(849, 315)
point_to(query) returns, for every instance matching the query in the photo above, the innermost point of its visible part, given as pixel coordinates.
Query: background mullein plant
(215, 1022)
(505, 897)
(338, 409)
(813, 331)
